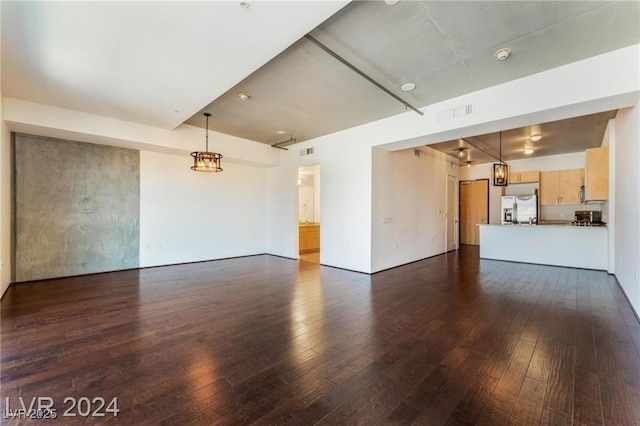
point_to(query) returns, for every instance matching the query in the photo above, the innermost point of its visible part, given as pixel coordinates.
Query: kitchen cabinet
(309, 238)
(596, 182)
(561, 187)
(524, 177)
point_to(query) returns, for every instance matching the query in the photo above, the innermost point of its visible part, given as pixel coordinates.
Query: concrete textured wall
(77, 208)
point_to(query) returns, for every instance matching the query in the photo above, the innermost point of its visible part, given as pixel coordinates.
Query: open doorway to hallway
(309, 213)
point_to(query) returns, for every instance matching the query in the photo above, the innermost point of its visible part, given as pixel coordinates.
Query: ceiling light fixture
(503, 53)
(500, 170)
(205, 161)
(244, 95)
(461, 151)
(468, 163)
(391, 2)
(407, 87)
(535, 137)
(528, 150)
(244, 4)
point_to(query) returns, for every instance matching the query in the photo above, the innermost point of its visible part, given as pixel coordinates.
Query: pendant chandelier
(205, 161)
(500, 170)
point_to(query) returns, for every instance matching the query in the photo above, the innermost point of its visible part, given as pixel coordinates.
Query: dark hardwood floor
(449, 340)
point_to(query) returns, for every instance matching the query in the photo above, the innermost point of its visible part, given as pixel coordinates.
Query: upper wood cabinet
(596, 184)
(524, 177)
(561, 187)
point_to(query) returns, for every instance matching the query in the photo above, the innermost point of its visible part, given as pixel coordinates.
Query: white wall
(5, 205)
(345, 194)
(609, 206)
(5, 193)
(187, 216)
(627, 202)
(410, 192)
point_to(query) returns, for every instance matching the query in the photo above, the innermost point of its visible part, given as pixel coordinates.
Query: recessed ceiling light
(535, 137)
(244, 4)
(391, 2)
(528, 150)
(281, 132)
(503, 53)
(244, 95)
(407, 87)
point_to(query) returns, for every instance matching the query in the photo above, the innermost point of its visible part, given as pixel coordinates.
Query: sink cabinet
(309, 238)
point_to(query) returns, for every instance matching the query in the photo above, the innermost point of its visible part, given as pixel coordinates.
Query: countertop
(308, 224)
(546, 225)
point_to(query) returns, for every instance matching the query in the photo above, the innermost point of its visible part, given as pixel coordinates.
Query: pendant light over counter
(205, 161)
(500, 170)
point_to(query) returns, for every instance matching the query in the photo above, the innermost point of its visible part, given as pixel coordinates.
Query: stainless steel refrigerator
(519, 209)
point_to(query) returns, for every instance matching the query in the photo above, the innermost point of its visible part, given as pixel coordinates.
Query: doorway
(451, 214)
(474, 209)
(309, 213)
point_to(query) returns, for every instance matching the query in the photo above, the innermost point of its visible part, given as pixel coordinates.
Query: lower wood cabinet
(309, 238)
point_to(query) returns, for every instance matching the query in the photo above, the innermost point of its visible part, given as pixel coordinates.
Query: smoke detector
(503, 53)
(244, 95)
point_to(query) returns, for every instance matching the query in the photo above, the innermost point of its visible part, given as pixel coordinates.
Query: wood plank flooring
(450, 340)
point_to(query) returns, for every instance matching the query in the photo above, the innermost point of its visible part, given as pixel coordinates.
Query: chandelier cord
(207, 134)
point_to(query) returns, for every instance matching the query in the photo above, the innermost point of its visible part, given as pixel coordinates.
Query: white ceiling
(164, 63)
(153, 63)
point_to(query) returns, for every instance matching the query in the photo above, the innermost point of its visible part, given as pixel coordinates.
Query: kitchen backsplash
(568, 212)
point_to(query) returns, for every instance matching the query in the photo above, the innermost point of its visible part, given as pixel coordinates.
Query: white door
(451, 213)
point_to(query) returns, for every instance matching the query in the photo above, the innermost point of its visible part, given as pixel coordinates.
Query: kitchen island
(559, 245)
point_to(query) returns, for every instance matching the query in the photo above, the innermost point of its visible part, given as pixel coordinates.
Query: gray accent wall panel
(77, 208)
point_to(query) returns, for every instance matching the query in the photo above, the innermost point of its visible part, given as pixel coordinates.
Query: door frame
(456, 213)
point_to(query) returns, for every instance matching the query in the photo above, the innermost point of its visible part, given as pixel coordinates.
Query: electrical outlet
(396, 246)
(386, 220)
(636, 275)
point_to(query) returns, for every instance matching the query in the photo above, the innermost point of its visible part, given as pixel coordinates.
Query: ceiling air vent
(457, 112)
(418, 153)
